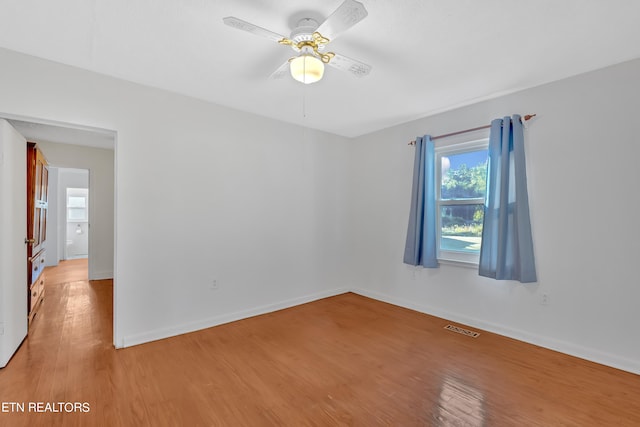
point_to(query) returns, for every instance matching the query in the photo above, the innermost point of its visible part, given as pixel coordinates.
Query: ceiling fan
(309, 40)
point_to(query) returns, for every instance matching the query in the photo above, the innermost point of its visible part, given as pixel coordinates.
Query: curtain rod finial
(525, 120)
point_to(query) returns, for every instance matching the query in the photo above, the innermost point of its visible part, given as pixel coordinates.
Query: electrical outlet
(545, 299)
(214, 285)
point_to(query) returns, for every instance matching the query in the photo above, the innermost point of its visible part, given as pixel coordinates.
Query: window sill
(465, 264)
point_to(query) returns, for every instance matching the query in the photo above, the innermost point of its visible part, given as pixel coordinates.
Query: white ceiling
(35, 131)
(428, 56)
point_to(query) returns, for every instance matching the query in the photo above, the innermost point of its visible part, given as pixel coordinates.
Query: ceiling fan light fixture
(306, 68)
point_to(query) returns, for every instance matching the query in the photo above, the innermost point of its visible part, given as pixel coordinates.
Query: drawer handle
(34, 294)
(42, 260)
(35, 268)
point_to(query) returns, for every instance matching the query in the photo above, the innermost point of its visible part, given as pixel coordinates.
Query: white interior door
(13, 248)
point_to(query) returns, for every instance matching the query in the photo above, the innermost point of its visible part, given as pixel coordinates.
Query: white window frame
(447, 256)
(78, 193)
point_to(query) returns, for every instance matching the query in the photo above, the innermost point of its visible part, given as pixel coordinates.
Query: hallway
(68, 271)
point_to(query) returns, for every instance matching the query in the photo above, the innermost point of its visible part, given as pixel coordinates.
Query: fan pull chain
(304, 92)
(304, 106)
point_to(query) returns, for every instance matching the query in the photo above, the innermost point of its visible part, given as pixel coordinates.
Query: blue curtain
(507, 246)
(420, 248)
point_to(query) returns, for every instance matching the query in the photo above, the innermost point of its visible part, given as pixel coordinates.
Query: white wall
(583, 170)
(100, 163)
(203, 193)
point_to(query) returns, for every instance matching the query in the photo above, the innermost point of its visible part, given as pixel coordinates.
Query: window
(77, 204)
(461, 173)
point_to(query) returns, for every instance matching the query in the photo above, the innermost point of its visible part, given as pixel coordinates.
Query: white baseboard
(184, 328)
(565, 347)
(101, 275)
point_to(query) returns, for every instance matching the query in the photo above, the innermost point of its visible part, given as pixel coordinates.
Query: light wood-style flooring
(345, 360)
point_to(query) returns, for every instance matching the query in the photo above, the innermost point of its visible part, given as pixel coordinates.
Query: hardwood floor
(68, 271)
(345, 360)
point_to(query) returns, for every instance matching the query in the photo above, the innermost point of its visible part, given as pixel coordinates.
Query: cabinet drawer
(40, 286)
(35, 296)
(37, 292)
(37, 265)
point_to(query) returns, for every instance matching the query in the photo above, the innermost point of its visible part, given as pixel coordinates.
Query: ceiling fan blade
(281, 72)
(253, 29)
(344, 17)
(353, 66)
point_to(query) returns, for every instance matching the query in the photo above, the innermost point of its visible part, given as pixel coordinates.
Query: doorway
(91, 151)
(73, 213)
(77, 223)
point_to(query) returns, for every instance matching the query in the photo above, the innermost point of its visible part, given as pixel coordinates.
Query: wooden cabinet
(37, 209)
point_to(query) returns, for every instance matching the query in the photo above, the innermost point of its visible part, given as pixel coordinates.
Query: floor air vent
(462, 331)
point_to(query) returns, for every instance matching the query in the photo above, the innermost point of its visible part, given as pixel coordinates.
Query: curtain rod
(527, 117)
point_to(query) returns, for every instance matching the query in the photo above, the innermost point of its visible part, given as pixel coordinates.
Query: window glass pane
(461, 227)
(464, 175)
(76, 214)
(76, 202)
